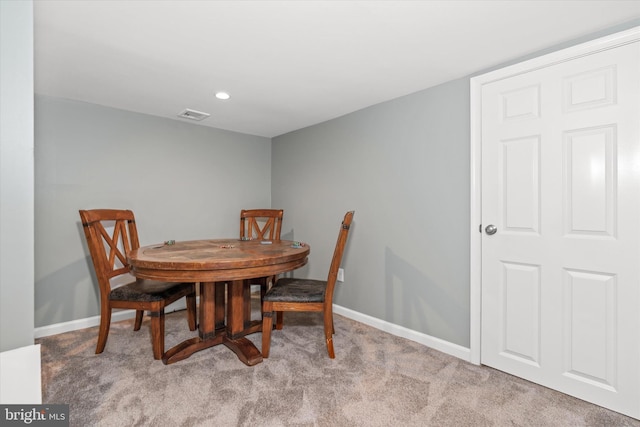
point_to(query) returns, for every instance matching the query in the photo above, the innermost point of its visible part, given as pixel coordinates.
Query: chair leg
(103, 332)
(246, 287)
(267, 324)
(328, 334)
(157, 333)
(265, 284)
(263, 290)
(138, 322)
(191, 312)
(279, 319)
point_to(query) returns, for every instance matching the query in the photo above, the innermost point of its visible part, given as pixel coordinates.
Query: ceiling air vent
(193, 115)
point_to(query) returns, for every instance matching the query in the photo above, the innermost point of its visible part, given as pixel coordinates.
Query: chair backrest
(109, 250)
(261, 224)
(337, 256)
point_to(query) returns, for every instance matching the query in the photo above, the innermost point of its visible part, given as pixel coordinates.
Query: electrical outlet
(341, 275)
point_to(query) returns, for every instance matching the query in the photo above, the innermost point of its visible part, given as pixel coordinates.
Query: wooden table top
(216, 260)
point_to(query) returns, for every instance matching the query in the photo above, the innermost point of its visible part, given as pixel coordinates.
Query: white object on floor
(20, 378)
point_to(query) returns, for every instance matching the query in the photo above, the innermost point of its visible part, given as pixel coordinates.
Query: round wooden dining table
(220, 266)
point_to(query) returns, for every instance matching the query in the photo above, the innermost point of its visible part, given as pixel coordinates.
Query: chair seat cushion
(297, 290)
(149, 290)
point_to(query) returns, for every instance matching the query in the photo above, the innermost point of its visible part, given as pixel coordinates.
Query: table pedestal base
(242, 347)
(245, 350)
(212, 330)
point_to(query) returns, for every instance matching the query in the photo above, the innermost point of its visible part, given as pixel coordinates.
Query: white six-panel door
(560, 179)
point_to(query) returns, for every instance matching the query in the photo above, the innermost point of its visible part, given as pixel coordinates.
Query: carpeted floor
(376, 379)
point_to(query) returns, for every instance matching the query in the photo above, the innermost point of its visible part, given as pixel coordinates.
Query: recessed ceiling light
(222, 95)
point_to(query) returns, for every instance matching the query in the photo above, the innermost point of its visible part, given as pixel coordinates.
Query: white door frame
(476, 84)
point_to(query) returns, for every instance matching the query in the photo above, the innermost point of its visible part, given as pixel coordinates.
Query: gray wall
(16, 175)
(183, 181)
(404, 167)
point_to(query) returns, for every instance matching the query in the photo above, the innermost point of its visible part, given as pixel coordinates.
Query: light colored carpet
(376, 379)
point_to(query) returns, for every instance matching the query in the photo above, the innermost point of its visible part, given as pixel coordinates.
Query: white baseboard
(20, 376)
(427, 340)
(433, 342)
(88, 322)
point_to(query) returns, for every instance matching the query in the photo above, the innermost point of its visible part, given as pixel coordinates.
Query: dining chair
(291, 294)
(120, 289)
(259, 224)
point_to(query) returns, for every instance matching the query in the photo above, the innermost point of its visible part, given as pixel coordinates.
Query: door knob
(491, 229)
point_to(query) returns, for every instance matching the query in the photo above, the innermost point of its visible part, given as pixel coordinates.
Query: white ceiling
(287, 64)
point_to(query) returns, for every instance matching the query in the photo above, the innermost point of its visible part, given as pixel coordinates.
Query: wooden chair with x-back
(118, 288)
(259, 224)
